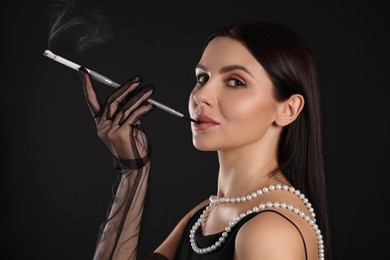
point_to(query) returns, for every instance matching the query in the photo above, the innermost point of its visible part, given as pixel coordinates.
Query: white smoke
(64, 15)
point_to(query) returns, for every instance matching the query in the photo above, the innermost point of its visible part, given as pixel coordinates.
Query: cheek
(245, 108)
(248, 117)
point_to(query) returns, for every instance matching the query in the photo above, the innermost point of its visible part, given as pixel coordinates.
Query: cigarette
(104, 80)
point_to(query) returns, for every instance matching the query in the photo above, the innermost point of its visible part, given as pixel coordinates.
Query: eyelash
(239, 83)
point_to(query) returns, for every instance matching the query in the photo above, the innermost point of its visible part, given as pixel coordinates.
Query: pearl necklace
(214, 200)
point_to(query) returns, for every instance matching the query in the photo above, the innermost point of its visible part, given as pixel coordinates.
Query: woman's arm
(118, 238)
(119, 127)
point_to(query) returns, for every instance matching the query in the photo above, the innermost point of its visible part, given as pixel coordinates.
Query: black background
(57, 174)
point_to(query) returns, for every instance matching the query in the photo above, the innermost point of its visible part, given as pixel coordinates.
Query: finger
(116, 99)
(137, 115)
(90, 93)
(136, 101)
(113, 106)
(118, 118)
(132, 104)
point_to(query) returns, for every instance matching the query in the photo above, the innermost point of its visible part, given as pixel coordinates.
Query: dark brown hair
(290, 65)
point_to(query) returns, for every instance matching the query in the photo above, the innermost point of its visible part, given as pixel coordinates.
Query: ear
(289, 110)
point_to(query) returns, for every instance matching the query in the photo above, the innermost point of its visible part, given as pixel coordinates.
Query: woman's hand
(118, 120)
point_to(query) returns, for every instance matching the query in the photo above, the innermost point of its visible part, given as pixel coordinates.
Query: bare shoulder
(269, 235)
(168, 247)
(197, 208)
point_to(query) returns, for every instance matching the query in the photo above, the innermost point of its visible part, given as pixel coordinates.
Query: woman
(256, 103)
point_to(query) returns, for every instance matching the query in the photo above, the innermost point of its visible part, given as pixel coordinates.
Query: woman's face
(233, 98)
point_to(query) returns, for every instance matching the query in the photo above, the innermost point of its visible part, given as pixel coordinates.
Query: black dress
(226, 251)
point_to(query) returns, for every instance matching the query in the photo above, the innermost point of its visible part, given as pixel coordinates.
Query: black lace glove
(119, 127)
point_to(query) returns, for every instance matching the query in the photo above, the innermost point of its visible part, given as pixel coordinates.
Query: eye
(234, 82)
(202, 78)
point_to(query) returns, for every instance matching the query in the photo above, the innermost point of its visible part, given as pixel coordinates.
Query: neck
(246, 169)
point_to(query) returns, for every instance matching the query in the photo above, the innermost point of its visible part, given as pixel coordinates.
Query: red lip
(205, 122)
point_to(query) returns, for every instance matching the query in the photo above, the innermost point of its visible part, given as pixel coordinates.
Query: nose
(204, 95)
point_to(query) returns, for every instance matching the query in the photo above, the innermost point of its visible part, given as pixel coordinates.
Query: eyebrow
(226, 68)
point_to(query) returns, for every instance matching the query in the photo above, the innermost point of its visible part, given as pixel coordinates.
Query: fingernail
(83, 69)
(83, 74)
(137, 78)
(149, 87)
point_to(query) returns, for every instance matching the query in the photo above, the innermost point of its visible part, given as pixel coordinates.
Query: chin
(203, 146)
